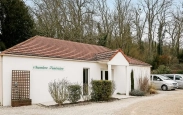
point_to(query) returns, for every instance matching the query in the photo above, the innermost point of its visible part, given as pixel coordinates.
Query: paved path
(165, 103)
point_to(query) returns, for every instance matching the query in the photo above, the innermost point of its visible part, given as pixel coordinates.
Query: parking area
(165, 103)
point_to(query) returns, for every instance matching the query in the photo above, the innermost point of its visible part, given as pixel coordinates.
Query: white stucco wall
(121, 73)
(138, 71)
(119, 66)
(73, 71)
(119, 78)
(39, 79)
(118, 59)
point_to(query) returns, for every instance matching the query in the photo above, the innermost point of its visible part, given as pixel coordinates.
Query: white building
(48, 59)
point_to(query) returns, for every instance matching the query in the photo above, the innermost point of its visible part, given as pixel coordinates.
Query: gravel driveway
(166, 102)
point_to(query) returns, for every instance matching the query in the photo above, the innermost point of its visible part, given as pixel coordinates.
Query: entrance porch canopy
(118, 58)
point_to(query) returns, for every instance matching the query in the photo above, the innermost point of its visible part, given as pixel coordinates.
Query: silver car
(177, 78)
(162, 82)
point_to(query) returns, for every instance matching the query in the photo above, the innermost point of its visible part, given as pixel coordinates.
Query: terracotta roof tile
(55, 48)
(110, 54)
(136, 61)
(105, 55)
(49, 47)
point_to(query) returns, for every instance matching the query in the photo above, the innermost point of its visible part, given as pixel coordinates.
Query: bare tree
(139, 22)
(104, 23)
(65, 19)
(123, 20)
(175, 29)
(151, 9)
(162, 18)
(95, 22)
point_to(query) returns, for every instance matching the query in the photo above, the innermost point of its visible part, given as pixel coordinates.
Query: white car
(162, 82)
(177, 78)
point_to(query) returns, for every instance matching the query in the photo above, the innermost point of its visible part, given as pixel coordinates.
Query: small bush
(59, 90)
(86, 95)
(152, 89)
(85, 89)
(101, 90)
(74, 93)
(113, 87)
(162, 69)
(143, 84)
(164, 60)
(137, 93)
(118, 93)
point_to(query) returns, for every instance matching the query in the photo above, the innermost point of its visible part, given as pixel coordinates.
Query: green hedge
(74, 93)
(137, 93)
(101, 90)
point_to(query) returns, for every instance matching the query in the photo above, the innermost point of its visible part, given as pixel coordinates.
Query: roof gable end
(118, 59)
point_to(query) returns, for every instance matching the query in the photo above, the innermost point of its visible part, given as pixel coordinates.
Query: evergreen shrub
(137, 93)
(101, 90)
(74, 93)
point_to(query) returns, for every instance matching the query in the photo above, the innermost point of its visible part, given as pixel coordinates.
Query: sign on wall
(48, 68)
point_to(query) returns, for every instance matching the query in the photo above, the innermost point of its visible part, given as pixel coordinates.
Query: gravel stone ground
(164, 103)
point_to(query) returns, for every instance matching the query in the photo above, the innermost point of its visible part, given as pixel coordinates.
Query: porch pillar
(127, 82)
(103, 75)
(109, 72)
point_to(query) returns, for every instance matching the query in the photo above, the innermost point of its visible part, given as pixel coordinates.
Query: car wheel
(164, 87)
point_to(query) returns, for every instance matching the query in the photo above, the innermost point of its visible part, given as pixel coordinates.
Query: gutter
(140, 65)
(51, 58)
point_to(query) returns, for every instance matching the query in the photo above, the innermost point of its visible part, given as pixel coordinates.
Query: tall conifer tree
(16, 24)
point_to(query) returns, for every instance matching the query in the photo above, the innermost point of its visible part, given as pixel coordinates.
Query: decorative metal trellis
(20, 86)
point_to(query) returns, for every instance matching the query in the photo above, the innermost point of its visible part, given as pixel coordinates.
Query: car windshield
(180, 76)
(164, 77)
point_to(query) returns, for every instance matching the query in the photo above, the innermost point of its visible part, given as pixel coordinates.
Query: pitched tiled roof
(55, 48)
(105, 55)
(110, 54)
(136, 61)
